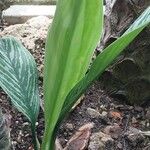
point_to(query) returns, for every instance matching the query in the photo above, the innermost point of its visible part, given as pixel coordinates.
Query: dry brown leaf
(78, 101)
(80, 139)
(115, 115)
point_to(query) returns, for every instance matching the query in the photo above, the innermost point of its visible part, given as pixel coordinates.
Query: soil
(131, 116)
(111, 116)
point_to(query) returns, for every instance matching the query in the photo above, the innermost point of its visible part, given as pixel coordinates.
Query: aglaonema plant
(72, 38)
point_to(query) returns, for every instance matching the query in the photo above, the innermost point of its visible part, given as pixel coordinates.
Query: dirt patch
(113, 114)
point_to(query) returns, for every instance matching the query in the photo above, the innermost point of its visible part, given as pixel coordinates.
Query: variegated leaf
(18, 77)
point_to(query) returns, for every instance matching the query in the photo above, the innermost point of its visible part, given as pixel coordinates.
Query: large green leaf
(18, 77)
(104, 60)
(74, 34)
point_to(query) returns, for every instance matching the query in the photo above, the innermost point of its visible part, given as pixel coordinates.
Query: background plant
(18, 78)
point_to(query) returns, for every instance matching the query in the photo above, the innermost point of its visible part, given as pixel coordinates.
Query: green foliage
(4, 133)
(104, 60)
(74, 34)
(72, 38)
(100, 64)
(18, 77)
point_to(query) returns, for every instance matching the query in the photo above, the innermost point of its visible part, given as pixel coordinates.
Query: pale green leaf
(104, 60)
(18, 77)
(71, 41)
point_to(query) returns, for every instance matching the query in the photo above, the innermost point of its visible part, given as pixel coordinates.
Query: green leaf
(4, 133)
(71, 41)
(18, 77)
(104, 60)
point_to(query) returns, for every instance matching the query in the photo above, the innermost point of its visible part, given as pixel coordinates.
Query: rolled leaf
(71, 41)
(18, 77)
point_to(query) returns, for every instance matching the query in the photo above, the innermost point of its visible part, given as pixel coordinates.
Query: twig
(125, 129)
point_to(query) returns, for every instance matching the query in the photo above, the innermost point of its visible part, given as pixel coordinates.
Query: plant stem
(48, 142)
(35, 139)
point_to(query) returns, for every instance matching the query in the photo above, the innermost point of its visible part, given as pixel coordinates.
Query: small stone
(134, 121)
(36, 123)
(138, 108)
(99, 141)
(131, 107)
(120, 146)
(58, 145)
(26, 135)
(107, 139)
(19, 136)
(143, 123)
(69, 126)
(104, 114)
(114, 131)
(95, 143)
(134, 136)
(25, 124)
(14, 143)
(135, 139)
(80, 112)
(147, 124)
(93, 113)
(16, 122)
(103, 107)
(148, 114)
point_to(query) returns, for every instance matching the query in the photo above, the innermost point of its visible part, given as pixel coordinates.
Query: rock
(148, 114)
(120, 146)
(33, 36)
(93, 113)
(100, 141)
(134, 121)
(69, 126)
(21, 13)
(104, 114)
(143, 123)
(30, 33)
(58, 145)
(25, 124)
(138, 108)
(36, 123)
(134, 136)
(96, 145)
(114, 131)
(103, 107)
(16, 122)
(147, 124)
